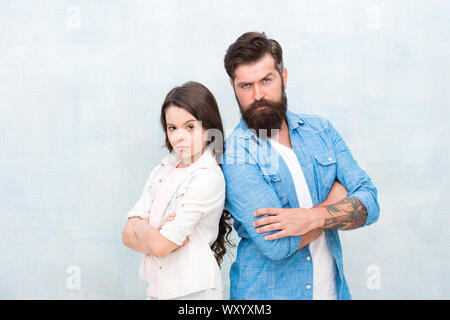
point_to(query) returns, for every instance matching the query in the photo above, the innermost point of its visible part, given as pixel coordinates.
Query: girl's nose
(180, 135)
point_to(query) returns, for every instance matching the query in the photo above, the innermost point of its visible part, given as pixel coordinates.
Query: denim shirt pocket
(326, 167)
(277, 184)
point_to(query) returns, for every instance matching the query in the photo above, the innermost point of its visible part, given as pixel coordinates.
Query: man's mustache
(262, 103)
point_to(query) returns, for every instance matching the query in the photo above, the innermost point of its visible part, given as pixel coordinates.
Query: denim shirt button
(308, 287)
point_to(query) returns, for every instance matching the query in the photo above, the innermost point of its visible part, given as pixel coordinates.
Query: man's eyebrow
(170, 123)
(268, 75)
(245, 82)
(242, 82)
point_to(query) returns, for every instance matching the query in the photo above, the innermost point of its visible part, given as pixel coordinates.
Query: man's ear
(232, 83)
(285, 73)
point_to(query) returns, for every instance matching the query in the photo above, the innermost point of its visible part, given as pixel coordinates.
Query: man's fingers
(268, 211)
(269, 227)
(266, 220)
(276, 235)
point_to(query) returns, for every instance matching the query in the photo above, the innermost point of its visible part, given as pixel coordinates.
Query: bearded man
(291, 184)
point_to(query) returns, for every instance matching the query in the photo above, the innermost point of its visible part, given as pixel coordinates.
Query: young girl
(179, 222)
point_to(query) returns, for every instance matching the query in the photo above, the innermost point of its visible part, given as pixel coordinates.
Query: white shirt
(198, 199)
(324, 273)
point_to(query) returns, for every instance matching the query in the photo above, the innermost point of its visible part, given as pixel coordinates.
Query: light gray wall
(81, 84)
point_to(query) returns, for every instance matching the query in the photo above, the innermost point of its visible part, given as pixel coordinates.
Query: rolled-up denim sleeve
(353, 178)
(247, 191)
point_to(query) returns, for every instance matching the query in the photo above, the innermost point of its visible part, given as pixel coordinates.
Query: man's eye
(267, 80)
(245, 85)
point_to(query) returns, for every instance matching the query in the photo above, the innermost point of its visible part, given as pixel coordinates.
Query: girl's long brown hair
(196, 99)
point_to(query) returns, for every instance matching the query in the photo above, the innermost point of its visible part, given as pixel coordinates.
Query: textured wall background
(81, 84)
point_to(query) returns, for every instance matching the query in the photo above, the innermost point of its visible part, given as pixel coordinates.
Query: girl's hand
(140, 225)
(170, 217)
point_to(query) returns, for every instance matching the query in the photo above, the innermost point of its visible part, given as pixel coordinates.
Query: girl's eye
(190, 127)
(171, 128)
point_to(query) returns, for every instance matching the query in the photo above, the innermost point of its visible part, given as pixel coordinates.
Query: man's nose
(258, 92)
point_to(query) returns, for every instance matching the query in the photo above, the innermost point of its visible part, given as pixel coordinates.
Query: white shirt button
(308, 287)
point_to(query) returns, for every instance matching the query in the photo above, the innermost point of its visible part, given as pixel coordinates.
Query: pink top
(156, 212)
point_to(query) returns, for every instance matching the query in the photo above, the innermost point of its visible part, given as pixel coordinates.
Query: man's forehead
(253, 71)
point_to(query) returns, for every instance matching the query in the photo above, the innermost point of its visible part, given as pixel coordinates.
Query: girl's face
(185, 133)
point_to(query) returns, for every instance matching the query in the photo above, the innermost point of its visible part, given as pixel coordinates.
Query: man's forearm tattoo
(346, 214)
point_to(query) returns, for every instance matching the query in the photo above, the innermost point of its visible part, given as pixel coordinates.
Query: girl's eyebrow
(169, 123)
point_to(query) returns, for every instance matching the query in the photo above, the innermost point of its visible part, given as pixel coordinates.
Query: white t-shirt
(324, 272)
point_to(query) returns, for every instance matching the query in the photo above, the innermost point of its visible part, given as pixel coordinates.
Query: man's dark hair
(251, 47)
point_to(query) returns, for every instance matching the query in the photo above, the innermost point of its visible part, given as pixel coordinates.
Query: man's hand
(297, 221)
(290, 221)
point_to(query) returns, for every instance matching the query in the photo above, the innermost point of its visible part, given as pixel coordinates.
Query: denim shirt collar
(293, 120)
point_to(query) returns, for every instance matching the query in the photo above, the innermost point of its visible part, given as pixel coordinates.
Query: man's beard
(269, 118)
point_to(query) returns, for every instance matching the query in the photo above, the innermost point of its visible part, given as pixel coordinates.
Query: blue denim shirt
(257, 177)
